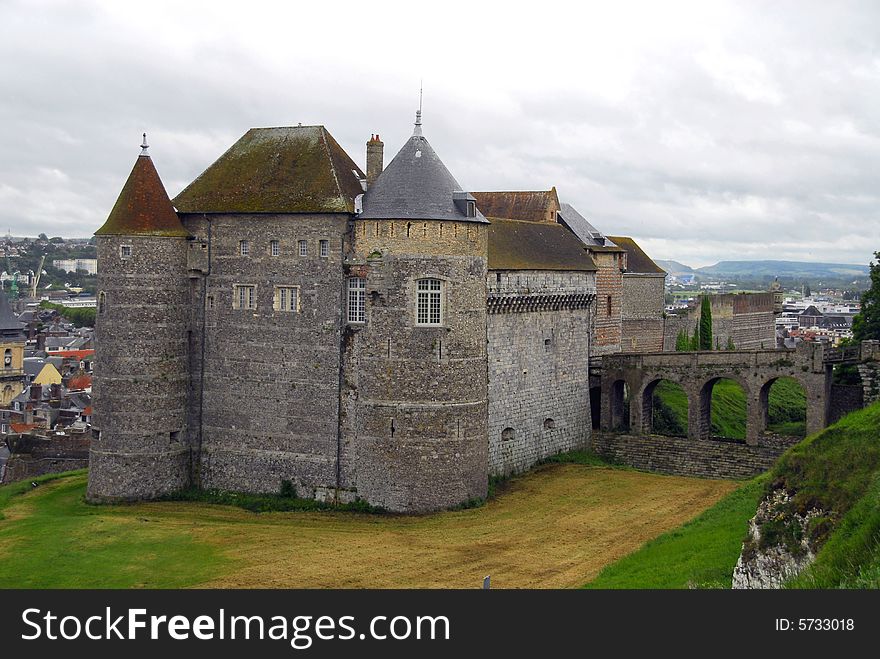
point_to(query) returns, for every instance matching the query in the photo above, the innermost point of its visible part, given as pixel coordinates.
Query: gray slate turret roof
(417, 186)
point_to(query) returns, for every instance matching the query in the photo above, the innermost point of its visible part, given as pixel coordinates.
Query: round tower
(416, 294)
(139, 450)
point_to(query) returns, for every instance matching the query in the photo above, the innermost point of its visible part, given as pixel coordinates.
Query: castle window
(325, 248)
(471, 209)
(244, 297)
(549, 424)
(608, 305)
(507, 434)
(209, 302)
(303, 248)
(7, 358)
(125, 251)
(286, 298)
(102, 302)
(244, 247)
(357, 288)
(274, 248)
(429, 303)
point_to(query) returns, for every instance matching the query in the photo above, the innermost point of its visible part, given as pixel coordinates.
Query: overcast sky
(707, 131)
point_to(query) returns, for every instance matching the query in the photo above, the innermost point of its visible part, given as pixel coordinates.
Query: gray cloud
(707, 133)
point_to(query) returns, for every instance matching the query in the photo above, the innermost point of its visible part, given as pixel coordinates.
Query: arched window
(429, 302)
(7, 358)
(102, 302)
(507, 434)
(549, 424)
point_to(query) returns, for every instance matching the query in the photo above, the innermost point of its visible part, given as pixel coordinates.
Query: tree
(730, 345)
(866, 324)
(705, 340)
(682, 342)
(43, 236)
(807, 292)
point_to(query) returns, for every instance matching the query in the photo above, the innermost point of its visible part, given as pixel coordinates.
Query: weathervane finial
(418, 128)
(145, 146)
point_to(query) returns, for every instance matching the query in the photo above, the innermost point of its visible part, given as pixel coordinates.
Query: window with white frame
(325, 248)
(357, 289)
(429, 303)
(303, 248)
(286, 298)
(244, 247)
(244, 297)
(274, 248)
(125, 251)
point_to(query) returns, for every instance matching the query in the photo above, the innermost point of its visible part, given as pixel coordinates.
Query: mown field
(786, 399)
(557, 526)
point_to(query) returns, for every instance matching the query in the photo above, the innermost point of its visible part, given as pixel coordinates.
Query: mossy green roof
(521, 245)
(636, 259)
(143, 207)
(298, 169)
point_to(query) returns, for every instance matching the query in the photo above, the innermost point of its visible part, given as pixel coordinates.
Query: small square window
(325, 248)
(274, 248)
(244, 247)
(286, 298)
(125, 251)
(303, 248)
(244, 297)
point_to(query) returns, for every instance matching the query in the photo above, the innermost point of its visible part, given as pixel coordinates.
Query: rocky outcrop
(780, 543)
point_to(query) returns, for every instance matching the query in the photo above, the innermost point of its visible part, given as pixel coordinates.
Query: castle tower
(416, 311)
(140, 383)
(12, 350)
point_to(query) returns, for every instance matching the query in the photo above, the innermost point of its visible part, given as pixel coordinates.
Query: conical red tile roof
(143, 207)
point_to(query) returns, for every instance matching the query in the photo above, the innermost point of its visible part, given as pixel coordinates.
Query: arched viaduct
(636, 375)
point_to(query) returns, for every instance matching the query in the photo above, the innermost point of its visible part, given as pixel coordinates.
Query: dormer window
(471, 209)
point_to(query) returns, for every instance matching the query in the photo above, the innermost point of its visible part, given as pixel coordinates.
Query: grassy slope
(787, 409)
(554, 527)
(837, 469)
(701, 553)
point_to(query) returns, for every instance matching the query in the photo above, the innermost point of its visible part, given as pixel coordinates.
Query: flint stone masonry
(681, 456)
(642, 312)
(538, 369)
(845, 399)
(36, 456)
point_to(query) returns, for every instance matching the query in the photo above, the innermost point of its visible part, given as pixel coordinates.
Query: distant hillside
(759, 269)
(784, 269)
(674, 267)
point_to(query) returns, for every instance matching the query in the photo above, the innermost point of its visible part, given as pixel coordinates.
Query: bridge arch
(786, 417)
(704, 416)
(649, 411)
(619, 405)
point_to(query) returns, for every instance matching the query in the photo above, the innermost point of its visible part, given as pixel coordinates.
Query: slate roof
(518, 245)
(529, 205)
(296, 169)
(10, 326)
(581, 227)
(636, 259)
(143, 207)
(417, 186)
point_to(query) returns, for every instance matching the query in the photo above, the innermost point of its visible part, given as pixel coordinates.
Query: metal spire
(418, 128)
(145, 146)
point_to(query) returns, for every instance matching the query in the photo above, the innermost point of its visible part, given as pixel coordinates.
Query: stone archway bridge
(633, 376)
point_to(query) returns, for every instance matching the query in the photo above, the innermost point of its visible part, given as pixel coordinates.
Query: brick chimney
(375, 159)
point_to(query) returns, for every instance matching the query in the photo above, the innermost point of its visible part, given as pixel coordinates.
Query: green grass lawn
(52, 539)
(701, 553)
(786, 400)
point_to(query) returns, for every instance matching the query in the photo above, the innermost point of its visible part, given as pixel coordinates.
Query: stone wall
(609, 297)
(538, 370)
(34, 456)
(264, 404)
(845, 399)
(691, 457)
(747, 319)
(415, 396)
(141, 369)
(642, 313)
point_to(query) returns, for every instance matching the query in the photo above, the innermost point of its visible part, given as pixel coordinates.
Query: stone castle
(386, 336)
